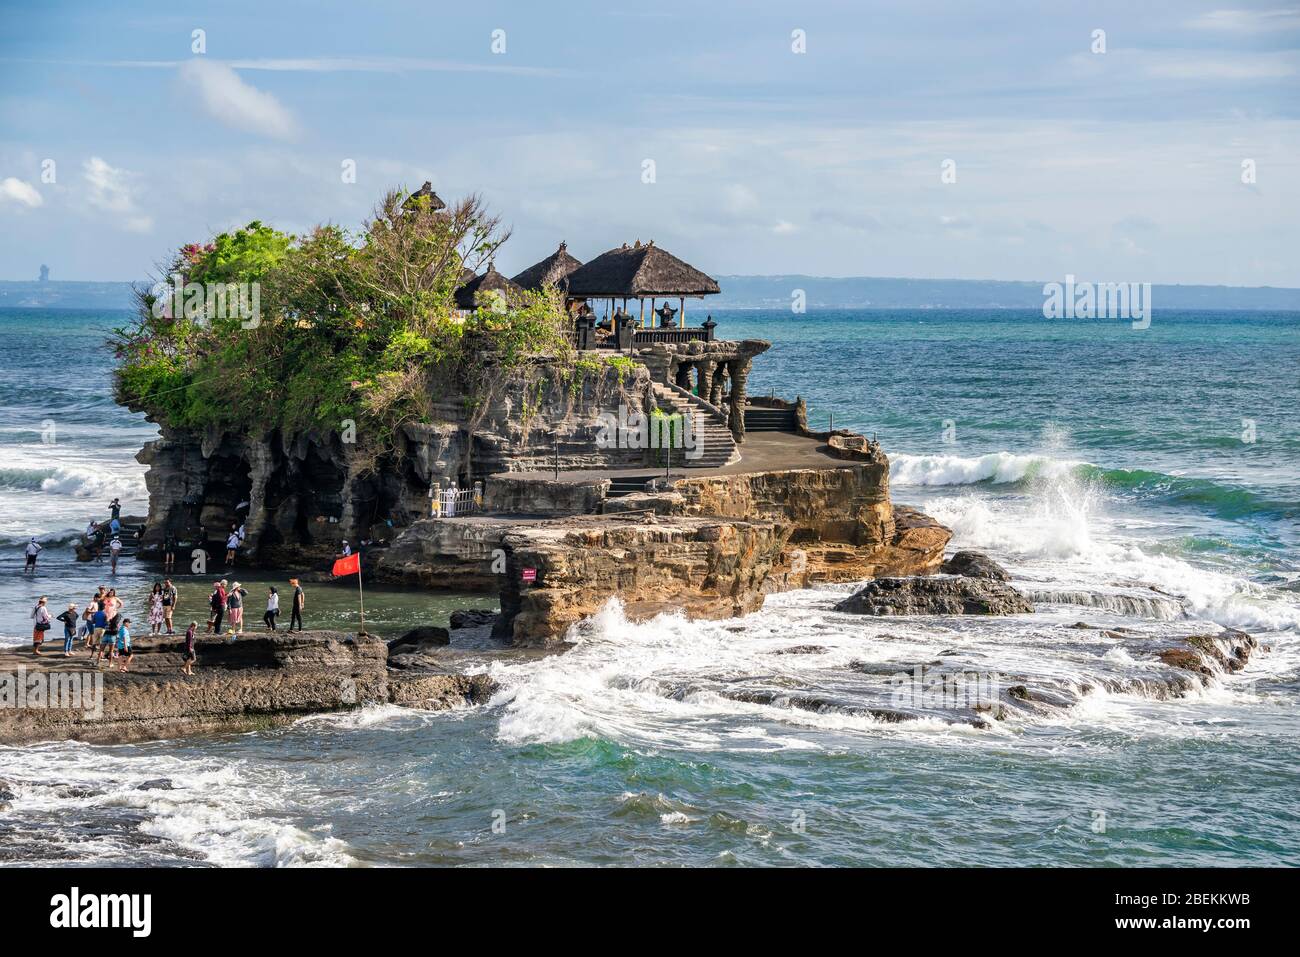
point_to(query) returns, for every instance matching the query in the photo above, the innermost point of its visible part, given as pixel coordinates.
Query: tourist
(86, 632)
(108, 643)
(169, 557)
(296, 604)
(112, 604)
(156, 609)
(69, 619)
(240, 534)
(40, 624)
(33, 549)
(114, 549)
(216, 602)
(188, 657)
(115, 509)
(272, 608)
(232, 546)
(98, 625)
(347, 549)
(169, 599)
(99, 544)
(124, 652)
(235, 603)
(115, 528)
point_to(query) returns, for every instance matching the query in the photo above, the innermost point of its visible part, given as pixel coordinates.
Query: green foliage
(360, 327)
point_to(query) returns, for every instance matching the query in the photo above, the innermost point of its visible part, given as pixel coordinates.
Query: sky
(990, 140)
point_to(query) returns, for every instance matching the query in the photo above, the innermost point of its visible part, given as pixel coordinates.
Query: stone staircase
(713, 434)
(761, 419)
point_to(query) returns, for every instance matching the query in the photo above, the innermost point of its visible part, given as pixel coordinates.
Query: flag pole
(361, 595)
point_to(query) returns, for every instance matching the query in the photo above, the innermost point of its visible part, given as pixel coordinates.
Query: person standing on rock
(155, 609)
(169, 557)
(217, 603)
(115, 509)
(169, 598)
(296, 604)
(235, 603)
(188, 656)
(124, 652)
(272, 608)
(69, 619)
(40, 624)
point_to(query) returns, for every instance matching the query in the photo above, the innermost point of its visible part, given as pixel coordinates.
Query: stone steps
(714, 441)
(760, 419)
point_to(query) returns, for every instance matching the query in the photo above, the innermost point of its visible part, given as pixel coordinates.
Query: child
(189, 656)
(124, 651)
(69, 619)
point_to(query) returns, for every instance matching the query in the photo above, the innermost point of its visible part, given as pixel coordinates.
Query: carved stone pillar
(739, 373)
(706, 379)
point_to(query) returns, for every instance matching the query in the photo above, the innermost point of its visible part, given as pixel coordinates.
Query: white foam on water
(223, 811)
(995, 467)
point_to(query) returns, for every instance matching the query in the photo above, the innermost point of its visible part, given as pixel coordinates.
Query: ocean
(1132, 479)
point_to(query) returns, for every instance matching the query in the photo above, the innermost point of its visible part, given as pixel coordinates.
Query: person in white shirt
(114, 549)
(232, 546)
(32, 550)
(272, 608)
(347, 549)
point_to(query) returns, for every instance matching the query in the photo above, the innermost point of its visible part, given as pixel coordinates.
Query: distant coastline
(777, 292)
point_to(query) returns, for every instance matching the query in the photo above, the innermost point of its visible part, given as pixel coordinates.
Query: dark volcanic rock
(974, 565)
(156, 784)
(419, 637)
(936, 596)
(801, 650)
(472, 618)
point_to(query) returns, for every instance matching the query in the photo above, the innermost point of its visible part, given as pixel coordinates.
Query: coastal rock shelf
(255, 682)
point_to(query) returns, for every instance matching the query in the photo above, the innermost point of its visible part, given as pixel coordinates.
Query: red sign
(530, 574)
(348, 566)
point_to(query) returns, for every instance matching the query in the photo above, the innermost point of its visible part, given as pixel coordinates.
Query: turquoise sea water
(1099, 463)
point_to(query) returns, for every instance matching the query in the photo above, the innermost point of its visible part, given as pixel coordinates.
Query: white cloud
(739, 199)
(111, 192)
(783, 227)
(1246, 21)
(237, 104)
(25, 194)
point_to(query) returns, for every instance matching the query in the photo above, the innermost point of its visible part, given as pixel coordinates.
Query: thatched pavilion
(485, 289)
(640, 272)
(435, 202)
(554, 270)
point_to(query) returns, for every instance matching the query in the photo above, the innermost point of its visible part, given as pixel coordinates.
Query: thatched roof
(435, 203)
(479, 288)
(551, 271)
(636, 271)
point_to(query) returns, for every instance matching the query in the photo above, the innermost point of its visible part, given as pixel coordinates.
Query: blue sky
(1123, 165)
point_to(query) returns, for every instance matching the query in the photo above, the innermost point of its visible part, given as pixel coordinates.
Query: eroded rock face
(702, 567)
(974, 565)
(303, 493)
(936, 596)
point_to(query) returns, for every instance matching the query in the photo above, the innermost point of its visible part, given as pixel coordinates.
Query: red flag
(348, 566)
